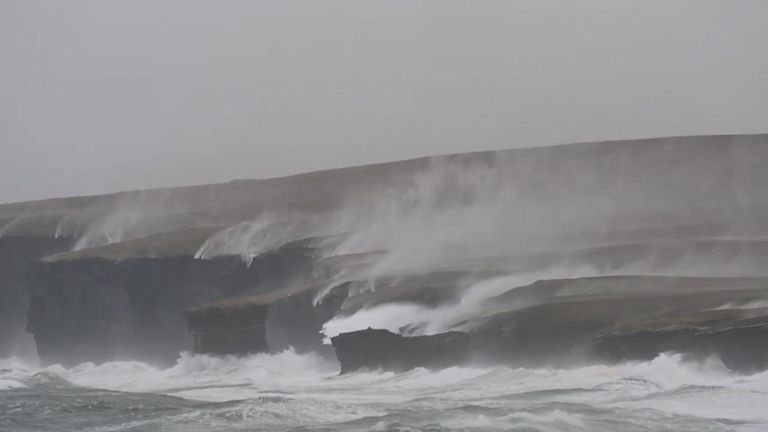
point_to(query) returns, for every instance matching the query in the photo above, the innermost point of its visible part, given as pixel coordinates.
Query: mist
(105, 96)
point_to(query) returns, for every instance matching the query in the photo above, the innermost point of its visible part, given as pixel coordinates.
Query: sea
(287, 391)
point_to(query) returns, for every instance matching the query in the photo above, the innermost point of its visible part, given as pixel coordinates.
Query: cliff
(419, 232)
(95, 309)
(738, 337)
(376, 349)
(233, 331)
(742, 345)
(590, 320)
(283, 318)
(17, 252)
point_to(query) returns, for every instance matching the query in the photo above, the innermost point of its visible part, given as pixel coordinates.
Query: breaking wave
(287, 390)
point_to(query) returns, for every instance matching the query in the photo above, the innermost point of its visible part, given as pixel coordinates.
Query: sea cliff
(581, 253)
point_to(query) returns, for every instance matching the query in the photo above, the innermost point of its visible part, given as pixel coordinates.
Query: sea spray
(422, 320)
(268, 232)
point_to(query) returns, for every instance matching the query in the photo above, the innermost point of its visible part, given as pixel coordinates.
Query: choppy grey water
(291, 392)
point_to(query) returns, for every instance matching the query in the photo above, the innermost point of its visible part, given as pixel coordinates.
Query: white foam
(755, 304)
(194, 371)
(307, 389)
(13, 372)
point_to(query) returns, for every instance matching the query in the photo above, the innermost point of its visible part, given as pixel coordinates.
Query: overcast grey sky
(99, 96)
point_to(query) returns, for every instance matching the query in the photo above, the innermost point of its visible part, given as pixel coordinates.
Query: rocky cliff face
(422, 232)
(381, 349)
(228, 331)
(295, 321)
(590, 320)
(738, 339)
(741, 345)
(98, 310)
(274, 321)
(16, 254)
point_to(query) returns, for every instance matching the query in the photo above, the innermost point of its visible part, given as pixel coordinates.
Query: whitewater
(303, 392)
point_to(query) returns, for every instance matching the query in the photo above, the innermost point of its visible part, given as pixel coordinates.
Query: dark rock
(99, 310)
(562, 323)
(742, 344)
(295, 321)
(16, 254)
(382, 349)
(742, 347)
(236, 331)
(277, 320)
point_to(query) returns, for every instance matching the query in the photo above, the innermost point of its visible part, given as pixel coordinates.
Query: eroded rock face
(16, 254)
(382, 349)
(566, 322)
(98, 310)
(742, 345)
(296, 322)
(273, 321)
(228, 331)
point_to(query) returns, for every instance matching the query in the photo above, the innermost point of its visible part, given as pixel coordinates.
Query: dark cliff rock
(560, 322)
(590, 320)
(277, 320)
(16, 254)
(740, 342)
(382, 349)
(98, 310)
(222, 330)
(295, 321)
(742, 346)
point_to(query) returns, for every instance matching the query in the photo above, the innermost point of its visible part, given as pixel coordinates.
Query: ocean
(293, 392)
